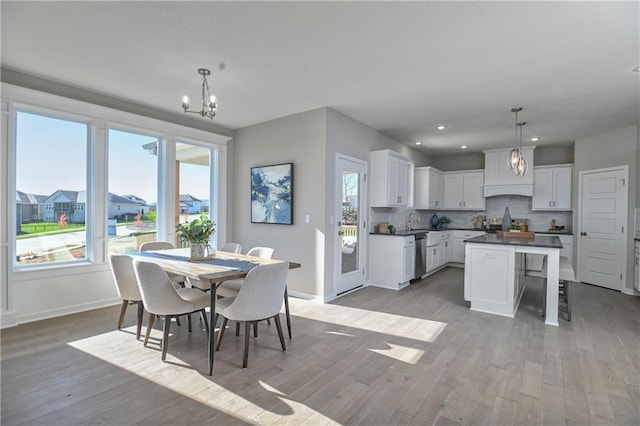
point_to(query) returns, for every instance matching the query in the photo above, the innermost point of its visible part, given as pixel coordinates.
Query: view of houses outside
(51, 204)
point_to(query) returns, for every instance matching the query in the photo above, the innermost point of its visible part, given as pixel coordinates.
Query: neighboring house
(29, 207)
(191, 205)
(146, 207)
(71, 203)
(126, 205)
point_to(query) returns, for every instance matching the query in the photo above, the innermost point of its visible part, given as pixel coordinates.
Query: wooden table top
(220, 267)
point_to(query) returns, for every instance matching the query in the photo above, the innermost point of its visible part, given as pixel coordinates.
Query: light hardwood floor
(378, 357)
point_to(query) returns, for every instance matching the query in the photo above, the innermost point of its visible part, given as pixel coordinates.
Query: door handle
(583, 233)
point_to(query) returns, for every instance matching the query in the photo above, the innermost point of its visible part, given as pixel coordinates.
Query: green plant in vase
(444, 222)
(198, 232)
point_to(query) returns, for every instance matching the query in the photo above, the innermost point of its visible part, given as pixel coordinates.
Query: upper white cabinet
(552, 187)
(499, 179)
(391, 179)
(463, 190)
(429, 192)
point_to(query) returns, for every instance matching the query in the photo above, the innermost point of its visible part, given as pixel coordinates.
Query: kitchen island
(494, 272)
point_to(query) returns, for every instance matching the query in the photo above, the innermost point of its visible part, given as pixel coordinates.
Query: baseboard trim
(67, 310)
(305, 296)
(8, 319)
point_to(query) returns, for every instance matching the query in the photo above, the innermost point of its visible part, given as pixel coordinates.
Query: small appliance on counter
(383, 228)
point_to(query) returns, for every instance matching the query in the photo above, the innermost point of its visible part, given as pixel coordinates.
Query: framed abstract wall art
(272, 194)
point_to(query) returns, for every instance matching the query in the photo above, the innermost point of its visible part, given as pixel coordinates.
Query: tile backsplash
(519, 208)
(637, 223)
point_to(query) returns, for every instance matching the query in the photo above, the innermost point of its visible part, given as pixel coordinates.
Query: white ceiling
(398, 67)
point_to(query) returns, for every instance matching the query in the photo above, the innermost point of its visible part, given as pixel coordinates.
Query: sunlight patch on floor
(121, 349)
(400, 353)
(379, 322)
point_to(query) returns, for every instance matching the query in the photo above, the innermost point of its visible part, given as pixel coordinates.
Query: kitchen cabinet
(458, 244)
(392, 260)
(552, 187)
(429, 189)
(439, 249)
(499, 179)
(391, 179)
(534, 261)
(464, 190)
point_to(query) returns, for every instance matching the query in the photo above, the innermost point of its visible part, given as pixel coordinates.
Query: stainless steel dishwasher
(421, 255)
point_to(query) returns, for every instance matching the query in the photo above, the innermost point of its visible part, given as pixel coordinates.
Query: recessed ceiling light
(464, 146)
(535, 139)
(418, 143)
(441, 126)
(636, 69)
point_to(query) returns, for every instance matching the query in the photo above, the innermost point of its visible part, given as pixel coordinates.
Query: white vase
(198, 250)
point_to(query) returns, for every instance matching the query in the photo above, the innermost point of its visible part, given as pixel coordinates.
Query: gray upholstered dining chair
(231, 248)
(164, 245)
(127, 287)
(161, 298)
(231, 288)
(259, 298)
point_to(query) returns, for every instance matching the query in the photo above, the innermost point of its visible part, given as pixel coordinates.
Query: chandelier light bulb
(185, 102)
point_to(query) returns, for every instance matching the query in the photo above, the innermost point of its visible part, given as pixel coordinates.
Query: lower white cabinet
(392, 260)
(636, 283)
(458, 243)
(439, 249)
(534, 261)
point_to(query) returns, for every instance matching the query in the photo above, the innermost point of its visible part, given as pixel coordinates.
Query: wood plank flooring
(374, 357)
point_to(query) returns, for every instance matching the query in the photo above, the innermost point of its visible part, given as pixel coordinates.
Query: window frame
(99, 120)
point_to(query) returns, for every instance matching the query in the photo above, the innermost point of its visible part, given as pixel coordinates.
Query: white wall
(616, 148)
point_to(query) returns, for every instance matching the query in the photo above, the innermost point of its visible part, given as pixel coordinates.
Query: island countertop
(547, 241)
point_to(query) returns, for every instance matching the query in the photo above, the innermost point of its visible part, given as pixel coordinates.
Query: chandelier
(209, 102)
(516, 159)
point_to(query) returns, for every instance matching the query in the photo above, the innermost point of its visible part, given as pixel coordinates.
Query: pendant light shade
(515, 155)
(521, 166)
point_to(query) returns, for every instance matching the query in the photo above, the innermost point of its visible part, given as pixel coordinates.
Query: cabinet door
(436, 190)
(542, 189)
(393, 198)
(458, 250)
(452, 191)
(562, 188)
(432, 257)
(403, 183)
(448, 251)
(637, 269)
(422, 193)
(473, 190)
(409, 263)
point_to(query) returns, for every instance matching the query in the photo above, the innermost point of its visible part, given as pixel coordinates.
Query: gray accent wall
(611, 149)
(311, 141)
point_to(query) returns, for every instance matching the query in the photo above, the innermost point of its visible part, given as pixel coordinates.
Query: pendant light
(521, 166)
(515, 155)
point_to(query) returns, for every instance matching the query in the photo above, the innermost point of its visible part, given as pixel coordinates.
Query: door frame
(625, 221)
(364, 213)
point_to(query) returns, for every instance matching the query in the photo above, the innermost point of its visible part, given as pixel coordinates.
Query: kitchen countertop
(404, 232)
(551, 241)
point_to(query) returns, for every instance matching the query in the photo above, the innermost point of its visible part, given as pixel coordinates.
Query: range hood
(499, 179)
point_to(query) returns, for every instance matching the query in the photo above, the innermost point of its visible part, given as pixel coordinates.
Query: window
(193, 180)
(57, 149)
(133, 190)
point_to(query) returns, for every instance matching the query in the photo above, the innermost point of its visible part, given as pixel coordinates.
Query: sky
(51, 155)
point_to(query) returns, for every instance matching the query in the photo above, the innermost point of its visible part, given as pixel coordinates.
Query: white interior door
(350, 235)
(602, 233)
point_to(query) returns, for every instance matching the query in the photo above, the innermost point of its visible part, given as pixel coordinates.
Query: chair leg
(189, 322)
(224, 325)
(123, 309)
(279, 327)
(245, 356)
(255, 329)
(203, 318)
(237, 329)
(139, 327)
(178, 322)
(165, 336)
(152, 318)
(268, 321)
(286, 311)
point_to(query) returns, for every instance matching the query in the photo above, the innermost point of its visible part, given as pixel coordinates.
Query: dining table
(213, 270)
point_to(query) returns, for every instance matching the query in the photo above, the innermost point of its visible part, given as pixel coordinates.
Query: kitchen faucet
(409, 223)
